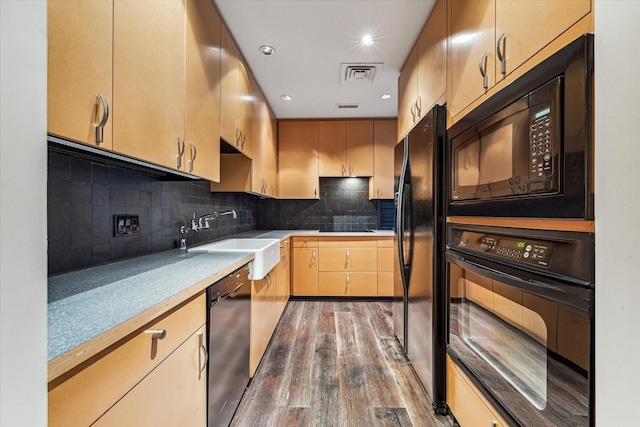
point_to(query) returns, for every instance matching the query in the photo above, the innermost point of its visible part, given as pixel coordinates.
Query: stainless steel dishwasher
(229, 335)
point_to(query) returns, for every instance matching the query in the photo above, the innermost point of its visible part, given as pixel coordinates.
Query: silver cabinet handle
(242, 139)
(350, 169)
(419, 106)
(378, 191)
(273, 190)
(314, 191)
(501, 51)
(194, 152)
(343, 169)
(483, 70)
(313, 257)
(157, 334)
(105, 116)
(413, 112)
(180, 152)
(203, 352)
(347, 259)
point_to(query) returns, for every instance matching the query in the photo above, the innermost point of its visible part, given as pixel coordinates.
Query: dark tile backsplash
(84, 195)
(344, 205)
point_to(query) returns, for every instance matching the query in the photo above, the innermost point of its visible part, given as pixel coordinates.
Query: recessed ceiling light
(366, 41)
(385, 96)
(286, 97)
(267, 50)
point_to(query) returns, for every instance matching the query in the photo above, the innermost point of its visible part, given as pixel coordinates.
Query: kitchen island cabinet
(298, 160)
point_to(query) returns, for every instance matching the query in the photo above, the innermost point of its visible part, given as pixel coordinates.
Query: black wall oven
(521, 320)
(526, 151)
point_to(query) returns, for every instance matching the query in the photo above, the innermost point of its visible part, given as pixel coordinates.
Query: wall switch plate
(125, 225)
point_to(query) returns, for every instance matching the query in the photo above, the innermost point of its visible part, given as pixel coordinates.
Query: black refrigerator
(419, 292)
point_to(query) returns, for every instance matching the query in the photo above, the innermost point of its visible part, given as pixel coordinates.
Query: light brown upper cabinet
(494, 39)
(202, 134)
(384, 141)
(346, 148)
(149, 81)
(236, 114)
(264, 173)
(298, 160)
(80, 67)
(423, 81)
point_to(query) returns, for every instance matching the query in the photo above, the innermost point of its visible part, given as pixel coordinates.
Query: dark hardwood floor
(336, 364)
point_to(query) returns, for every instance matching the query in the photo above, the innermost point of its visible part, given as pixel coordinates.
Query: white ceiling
(313, 38)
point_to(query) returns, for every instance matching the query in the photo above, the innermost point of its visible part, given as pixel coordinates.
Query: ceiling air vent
(347, 106)
(359, 73)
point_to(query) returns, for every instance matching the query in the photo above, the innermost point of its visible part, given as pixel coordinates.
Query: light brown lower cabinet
(81, 398)
(174, 393)
(304, 275)
(466, 402)
(263, 312)
(347, 284)
(386, 259)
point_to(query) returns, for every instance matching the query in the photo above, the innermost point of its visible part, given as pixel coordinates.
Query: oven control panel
(528, 251)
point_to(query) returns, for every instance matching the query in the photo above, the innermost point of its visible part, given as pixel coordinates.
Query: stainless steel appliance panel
(229, 338)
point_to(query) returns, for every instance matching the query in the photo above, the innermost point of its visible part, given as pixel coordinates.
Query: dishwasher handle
(227, 295)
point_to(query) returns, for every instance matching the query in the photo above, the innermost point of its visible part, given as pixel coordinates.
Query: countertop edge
(82, 353)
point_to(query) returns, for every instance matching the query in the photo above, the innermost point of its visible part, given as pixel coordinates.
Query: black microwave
(527, 150)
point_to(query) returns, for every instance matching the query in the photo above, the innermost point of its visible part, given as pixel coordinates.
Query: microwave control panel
(527, 251)
(541, 141)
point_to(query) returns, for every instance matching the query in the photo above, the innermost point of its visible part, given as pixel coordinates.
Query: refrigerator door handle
(400, 211)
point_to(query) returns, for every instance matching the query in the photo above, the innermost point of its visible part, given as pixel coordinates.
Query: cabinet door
(229, 86)
(305, 271)
(432, 59)
(271, 167)
(472, 36)
(298, 160)
(175, 393)
(261, 136)
(347, 284)
(245, 109)
(360, 148)
(80, 39)
(332, 145)
(530, 25)
(262, 315)
(203, 90)
(384, 141)
(407, 92)
(149, 80)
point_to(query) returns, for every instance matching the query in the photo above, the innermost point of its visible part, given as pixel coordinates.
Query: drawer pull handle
(501, 51)
(204, 352)
(180, 152)
(483, 70)
(105, 116)
(157, 334)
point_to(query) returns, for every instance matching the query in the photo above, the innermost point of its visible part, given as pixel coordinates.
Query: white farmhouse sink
(267, 253)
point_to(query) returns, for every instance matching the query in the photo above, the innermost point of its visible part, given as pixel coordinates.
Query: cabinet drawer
(347, 284)
(348, 259)
(81, 399)
(304, 242)
(385, 259)
(348, 242)
(467, 403)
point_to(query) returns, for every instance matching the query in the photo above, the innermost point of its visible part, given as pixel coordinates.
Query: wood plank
(355, 401)
(390, 417)
(325, 403)
(347, 343)
(291, 417)
(414, 396)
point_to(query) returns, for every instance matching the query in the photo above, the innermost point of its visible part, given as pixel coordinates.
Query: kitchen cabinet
(264, 168)
(498, 37)
(345, 148)
(80, 67)
(283, 290)
(263, 313)
(423, 81)
(386, 260)
(85, 394)
(236, 116)
(298, 160)
(202, 127)
(466, 402)
(149, 81)
(304, 275)
(384, 142)
(149, 403)
(347, 267)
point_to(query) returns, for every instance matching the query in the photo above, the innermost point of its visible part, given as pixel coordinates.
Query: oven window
(516, 343)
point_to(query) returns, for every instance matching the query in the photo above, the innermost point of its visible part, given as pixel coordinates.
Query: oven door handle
(572, 297)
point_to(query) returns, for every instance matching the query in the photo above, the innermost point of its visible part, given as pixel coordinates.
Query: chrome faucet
(203, 221)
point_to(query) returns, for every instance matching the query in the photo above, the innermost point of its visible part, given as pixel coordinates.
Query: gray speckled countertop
(87, 303)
